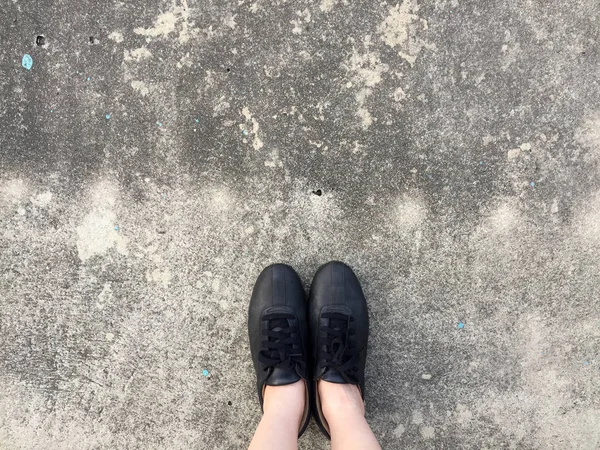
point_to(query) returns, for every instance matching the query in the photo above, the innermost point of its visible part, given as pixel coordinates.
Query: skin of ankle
(285, 401)
(340, 402)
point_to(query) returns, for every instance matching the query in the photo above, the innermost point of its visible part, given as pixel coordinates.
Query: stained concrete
(159, 153)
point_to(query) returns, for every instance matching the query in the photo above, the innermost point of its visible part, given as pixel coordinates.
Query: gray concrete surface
(456, 148)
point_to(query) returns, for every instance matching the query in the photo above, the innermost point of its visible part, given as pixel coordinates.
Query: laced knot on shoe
(339, 350)
(281, 346)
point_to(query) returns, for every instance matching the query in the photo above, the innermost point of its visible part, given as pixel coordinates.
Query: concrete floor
(159, 153)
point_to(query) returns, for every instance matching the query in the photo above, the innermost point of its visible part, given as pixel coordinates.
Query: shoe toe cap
(336, 283)
(277, 285)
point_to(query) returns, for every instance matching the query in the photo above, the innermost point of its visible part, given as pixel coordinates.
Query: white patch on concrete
(137, 55)
(399, 430)
(246, 113)
(554, 206)
(96, 234)
(526, 147)
(588, 136)
(163, 25)
(399, 94)
(587, 219)
(513, 153)
(13, 191)
(400, 28)
(488, 139)
(140, 87)
(221, 107)
(109, 336)
(502, 220)
(116, 36)
(540, 409)
(510, 54)
(366, 120)
(366, 68)
(426, 376)
(427, 432)
(42, 200)
(275, 161)
(516, 152)
(257, 142)
(417, 417)
(230, 22)
(220, 199)
(105, 296)
(463, 414)
(408, 214)
(304, 17)
(362, 95)
(357, 147)
(177, 20)
(327, 5)
(160, 276)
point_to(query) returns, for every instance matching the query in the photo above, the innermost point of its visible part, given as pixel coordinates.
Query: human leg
(344, 411)
(283, 409)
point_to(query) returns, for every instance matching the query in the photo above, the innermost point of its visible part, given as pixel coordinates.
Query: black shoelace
(339, 349)
(281, 344)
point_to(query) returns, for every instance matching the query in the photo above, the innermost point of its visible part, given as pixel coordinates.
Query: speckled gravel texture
(159, 153)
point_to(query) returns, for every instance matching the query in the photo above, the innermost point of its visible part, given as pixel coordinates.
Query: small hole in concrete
(40, 40)
(92, 40)
(229, 403)
(318, 192)
(228, 69)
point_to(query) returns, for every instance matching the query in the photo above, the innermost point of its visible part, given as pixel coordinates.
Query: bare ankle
(285, 401)
(340, 401)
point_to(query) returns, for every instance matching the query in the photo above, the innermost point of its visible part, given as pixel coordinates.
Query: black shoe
(278, 332)
(339, 329)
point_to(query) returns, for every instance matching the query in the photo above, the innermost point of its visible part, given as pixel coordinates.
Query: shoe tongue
(333, 376)
(281, 377)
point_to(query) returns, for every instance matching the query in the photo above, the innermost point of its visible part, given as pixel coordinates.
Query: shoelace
(340, 351)
(281, 344)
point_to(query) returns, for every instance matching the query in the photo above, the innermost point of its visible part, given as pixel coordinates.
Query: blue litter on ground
(159, 124)
(116, 227)
(107, 116)
(205, 372)
(532, 184)
(27, 61)
(197, 121)
(460, 325)
(89, 78)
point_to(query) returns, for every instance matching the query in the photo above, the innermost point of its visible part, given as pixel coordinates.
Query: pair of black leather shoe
(322, 339)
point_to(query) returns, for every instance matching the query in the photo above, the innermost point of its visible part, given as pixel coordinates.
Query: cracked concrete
(159, 154)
